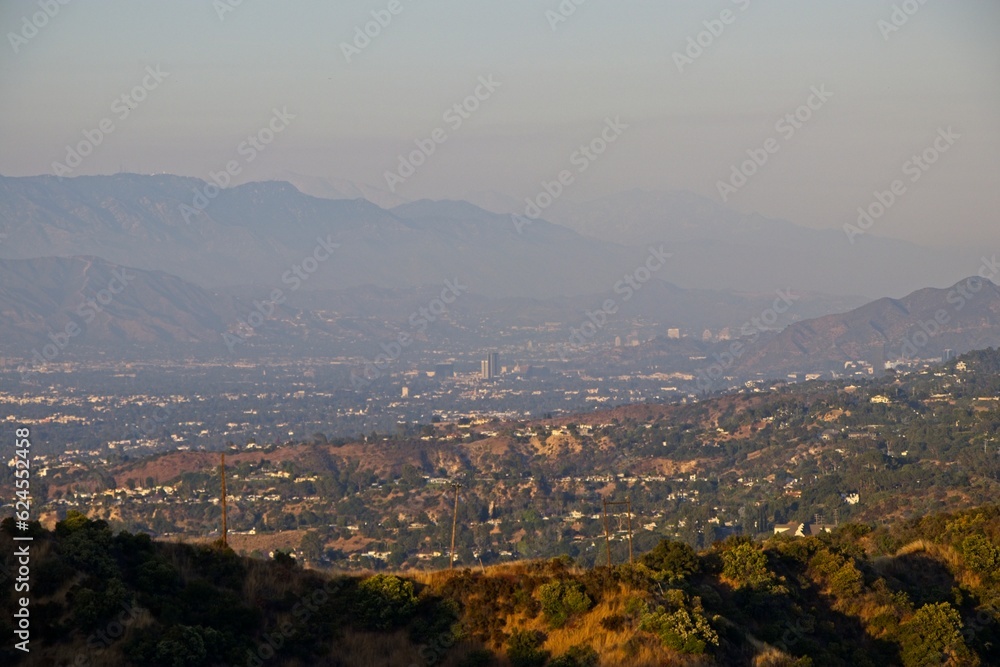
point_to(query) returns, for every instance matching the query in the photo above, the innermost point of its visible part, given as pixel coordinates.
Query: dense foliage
(919, 593)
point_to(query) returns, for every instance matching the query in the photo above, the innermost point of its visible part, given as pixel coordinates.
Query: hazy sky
(891, 94)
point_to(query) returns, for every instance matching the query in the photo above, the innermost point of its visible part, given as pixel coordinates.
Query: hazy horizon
(553, 82)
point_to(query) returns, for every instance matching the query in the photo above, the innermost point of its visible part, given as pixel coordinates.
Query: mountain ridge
(922, 324)
(212, 237)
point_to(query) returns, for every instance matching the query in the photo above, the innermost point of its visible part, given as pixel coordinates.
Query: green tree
(980, 555)
(675, 559)
(746, 565)
(524, 648)
(580, 655)
(933, 636)
(311, 545)
(561, 600)
(385, 601)
(847, 582)
(685, 630)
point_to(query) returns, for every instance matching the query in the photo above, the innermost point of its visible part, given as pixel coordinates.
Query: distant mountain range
(263, 233)
(922, 325)
(110, 304)
(336, 188)
(90, 300)
(200, 256)
(719, 248)
(255, 233)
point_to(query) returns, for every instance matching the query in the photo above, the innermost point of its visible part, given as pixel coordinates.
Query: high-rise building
(878, 363)
(444, 370)
(490, 366)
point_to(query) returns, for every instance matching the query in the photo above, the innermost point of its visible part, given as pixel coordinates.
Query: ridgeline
(922, 592)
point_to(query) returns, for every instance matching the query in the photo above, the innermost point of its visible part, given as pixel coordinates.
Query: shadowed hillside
(922, 593)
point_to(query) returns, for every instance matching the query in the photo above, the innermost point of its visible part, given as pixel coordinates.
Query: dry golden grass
(614, 647)
(942, 553)
(260, 583)
(772, 657)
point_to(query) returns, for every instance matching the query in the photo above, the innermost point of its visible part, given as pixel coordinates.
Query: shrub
(933, 636)
(680, 630)
(435, 619)
(479, 657)
(86, 545)
(93, 604)
(282, 559)
(524, 648)
(746, 565)
(385, 601)
(847, 582)
(74, 521)
(561, 600)
(684, 629)
(580, 655)
(179, 646)
(51, 576)
(980, 555)
(157, 576)
(523, 600)
(675, 559)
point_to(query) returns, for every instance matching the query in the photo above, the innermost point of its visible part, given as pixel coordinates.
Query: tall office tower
(878, 363)
(490, 366)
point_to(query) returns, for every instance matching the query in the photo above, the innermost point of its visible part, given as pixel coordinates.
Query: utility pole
(222, 476)
(628, 505)
(607, 532)
(454, 524)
